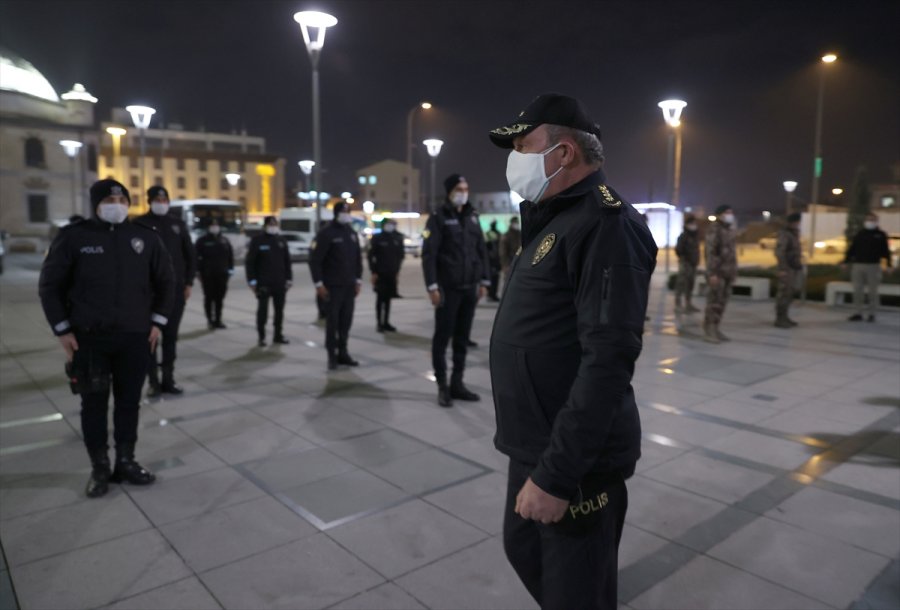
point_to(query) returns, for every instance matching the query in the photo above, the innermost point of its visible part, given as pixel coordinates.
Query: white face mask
(459, 198)
(870, 225)
(344, 218)
(525, 174)
(389, 228)
(113, 213)
(214, 229)
(691, 227)
(158, 208)
(272, 230)
(728, 219)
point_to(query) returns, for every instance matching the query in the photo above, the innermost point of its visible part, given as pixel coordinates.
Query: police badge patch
(137, 244)
(543, 249)
(177, 229)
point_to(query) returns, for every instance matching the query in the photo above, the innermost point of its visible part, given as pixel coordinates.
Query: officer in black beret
(215, 265)
(269, 275)
(386, 254)
(566, 337)
(107, 288)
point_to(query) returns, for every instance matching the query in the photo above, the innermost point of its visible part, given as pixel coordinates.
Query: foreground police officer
(269, 275)
(336, 267)
(94, 289)
(386, 254)
(175, 236)
(565, 340)
(215, 264)
(454, 262)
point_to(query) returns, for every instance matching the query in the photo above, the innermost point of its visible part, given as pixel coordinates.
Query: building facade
(495, 202)
(386, 183)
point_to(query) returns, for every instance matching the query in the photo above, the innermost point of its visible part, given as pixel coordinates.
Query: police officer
(215, 264)
(492, 246)
(687, 249)
(563, 349)
(269, 275)
(721, 270)
(177, 239)
(386, 254)
(454, 261)
(94, 289)
(866, 250)
(789, 257)
(336, 267)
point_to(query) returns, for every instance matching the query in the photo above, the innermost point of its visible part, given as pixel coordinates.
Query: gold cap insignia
(608, 199)
(312, 246)
(511, 130)
(425, 234)
(543, 249)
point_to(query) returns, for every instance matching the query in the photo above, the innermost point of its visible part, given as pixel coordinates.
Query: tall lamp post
(140, 116)
(434, 149)
(672, 115)
(789, 187)
(306, 166)
(318, 22)
(830, 58)
(117, 133)
(72, 147)
(409, 150)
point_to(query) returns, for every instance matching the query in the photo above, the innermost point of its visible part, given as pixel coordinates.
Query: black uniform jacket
(386, 254)
(336, 259)
(567, 334)
(869, 246)
(215, 256)
(177, 239)
(268, 262)
(100, 277)
(453, 251)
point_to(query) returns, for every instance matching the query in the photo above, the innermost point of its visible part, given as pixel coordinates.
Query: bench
(836, 292)
(757, 288)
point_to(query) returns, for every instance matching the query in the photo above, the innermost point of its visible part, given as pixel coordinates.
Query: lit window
(888, 201)
(362, 179)
(373, 180)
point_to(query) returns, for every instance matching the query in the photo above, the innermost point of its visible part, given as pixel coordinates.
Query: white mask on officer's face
(214, 229)
(159, 208)
(344, 218)
(871, 224)
(113, 213)
(272, 230)
(389, 228)
(525, 174)
(728, 218)
(459, 198)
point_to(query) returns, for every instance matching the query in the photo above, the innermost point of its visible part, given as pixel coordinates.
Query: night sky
(748, 70)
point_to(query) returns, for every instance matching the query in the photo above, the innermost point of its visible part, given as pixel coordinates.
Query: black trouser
(214, 288)
(385, 290)
(124, 357)
(563, 570)
(169, 341)
(263, 294)
(339, 312)
(495, 282)
(452, 319)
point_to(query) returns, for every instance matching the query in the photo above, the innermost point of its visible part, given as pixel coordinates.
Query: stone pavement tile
(482, 451)
(686, 429)
(405, 537)
(822, 428)
(376, 448)
(854, 395)
(36, 432)
(50, 532)
(100, 574)
(26, 496)
(38, 406)
(259, 442)
(331, 424)
(883, 592)
(281, 472)
(821, 568)
(817, 378)
(637, 544)
(776, 400)
(343, 495)
(387, 412)
(310, 573)
(477, 577)
(383, 597)
(426, 471)
(172, 500)
(181, 458)
(187, 594)
(868, 526)
(868, 476)
(744, 373)
(681, 381)
(7, 595)
(705, 583)
(653, 454)
(882, 382)
(779, 385)
(214, 539)
(647, 392)
(765, 449)
(479, 502)
(709, 477)
(64, 458)
(191, 404)
(446, 427)
(737, 411)
(860, 414)
(664, 510)
(222, 425)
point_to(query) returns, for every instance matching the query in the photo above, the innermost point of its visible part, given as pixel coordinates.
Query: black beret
(795, 217)
(547, 108)
(452, 180)
(339, 207)
(155, 191)
(270, 220)
(102, 189)
(721, 209)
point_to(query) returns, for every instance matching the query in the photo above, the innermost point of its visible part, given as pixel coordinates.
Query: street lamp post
(789, 187)
(141, 116)
(434, 149)
(306, 166)
(409, 151)
(830, 58)
(672, 110)
(116, 133)
(319, 22)
(72, 147)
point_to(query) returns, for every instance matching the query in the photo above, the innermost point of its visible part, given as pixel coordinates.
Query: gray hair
(589, 144)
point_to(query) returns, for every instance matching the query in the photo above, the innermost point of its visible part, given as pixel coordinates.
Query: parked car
(412, 244)
(835, 245)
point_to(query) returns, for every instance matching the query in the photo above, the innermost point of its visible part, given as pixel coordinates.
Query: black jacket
(869, 246)
(453, 251)
(268, 262)
(100, 277)
(567, 334)
(386, 253)
(215, 256)
(336, 259)
(177, 239)
(687, 248)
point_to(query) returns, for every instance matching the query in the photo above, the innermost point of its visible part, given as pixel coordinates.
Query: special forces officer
(336, 267)
(386, 254)
(687, 249)
(789, 256)
(721, 270)
(454, 261)
(177, 239)
(106, 288)
(215, 264)
(565, 340)
(269, 275)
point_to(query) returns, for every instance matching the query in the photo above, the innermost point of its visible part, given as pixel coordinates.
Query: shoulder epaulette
(608, 197)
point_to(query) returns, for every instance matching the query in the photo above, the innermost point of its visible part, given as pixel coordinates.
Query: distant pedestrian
(386, 254)
(492, 245)
(789, 257)
(509, 248)
(687, 249)
(269, 275)
(721, 271)
(864, 255)
(215, 265)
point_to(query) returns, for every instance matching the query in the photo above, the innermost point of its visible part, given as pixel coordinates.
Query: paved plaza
(770, 475)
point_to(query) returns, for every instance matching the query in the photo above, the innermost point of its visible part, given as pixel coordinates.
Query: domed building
(39, 182)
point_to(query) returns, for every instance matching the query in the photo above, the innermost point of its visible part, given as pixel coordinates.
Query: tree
(859, 203)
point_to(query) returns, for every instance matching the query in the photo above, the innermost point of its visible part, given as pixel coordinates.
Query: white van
(298, 227)
(198, 213)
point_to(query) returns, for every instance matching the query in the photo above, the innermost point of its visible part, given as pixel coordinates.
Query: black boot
(332, 361)
(168, 382)
(98, 484)
(153, 387)
(280, 339)
(346, 359)
(129, 471)
(459, 391)
(388, 327)
(444, 398)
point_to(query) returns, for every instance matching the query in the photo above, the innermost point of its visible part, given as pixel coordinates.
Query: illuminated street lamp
(409, 151)
(828, 59)
(72, 147)
(315, 40)
(434, 149)
(837, 191)
(232, 178)
(306, 166)
(140, 116)
(789, 187)
(116, 133)
(672, 115)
